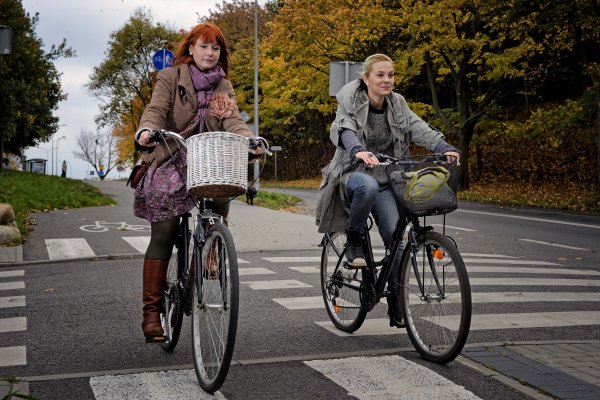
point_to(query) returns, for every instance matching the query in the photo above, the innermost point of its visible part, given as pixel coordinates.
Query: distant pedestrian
(250, 195)
(64, 169)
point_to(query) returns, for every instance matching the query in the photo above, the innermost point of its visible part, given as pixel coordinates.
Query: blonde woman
(370, 119)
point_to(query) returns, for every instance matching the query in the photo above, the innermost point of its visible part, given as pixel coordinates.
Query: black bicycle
(434, 294)
(203, 281)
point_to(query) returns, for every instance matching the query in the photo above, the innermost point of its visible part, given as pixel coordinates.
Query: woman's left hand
(257, 151)
(453, 156)
(368, 158)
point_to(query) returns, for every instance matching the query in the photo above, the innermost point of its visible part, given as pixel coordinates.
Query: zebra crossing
(499, 266)
(12, 284)
(296, 273)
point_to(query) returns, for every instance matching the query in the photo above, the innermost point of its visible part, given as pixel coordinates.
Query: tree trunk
(1, 151)
(598, 142)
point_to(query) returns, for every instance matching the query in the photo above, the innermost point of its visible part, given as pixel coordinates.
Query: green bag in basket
(424, 192)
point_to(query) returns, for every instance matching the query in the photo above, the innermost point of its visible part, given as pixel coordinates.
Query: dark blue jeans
(363, 189)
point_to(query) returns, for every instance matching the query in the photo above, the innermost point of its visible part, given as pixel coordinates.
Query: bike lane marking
(564, 246)
(551, 221)
(60, 249)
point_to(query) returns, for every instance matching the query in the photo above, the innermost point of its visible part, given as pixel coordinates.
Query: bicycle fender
(199, 234)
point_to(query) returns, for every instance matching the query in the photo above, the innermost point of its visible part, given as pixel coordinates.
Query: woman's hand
(144, 139)
(368, 158)
(452, 156)
(257, 151)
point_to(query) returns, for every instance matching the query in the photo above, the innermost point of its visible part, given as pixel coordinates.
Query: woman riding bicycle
(370, 119)
(192, 97)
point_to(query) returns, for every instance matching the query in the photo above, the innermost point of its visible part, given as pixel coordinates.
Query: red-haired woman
(192, 97)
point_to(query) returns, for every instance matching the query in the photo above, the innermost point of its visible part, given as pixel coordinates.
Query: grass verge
(571, 196)
(29, 192)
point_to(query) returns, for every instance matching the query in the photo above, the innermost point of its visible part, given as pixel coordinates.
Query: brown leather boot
(154, 281)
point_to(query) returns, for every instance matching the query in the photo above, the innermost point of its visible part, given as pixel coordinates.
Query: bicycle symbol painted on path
(103, 226)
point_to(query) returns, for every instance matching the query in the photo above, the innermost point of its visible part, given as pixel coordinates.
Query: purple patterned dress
(162, 193)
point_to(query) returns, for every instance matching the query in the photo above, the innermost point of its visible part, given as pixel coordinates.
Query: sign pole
(256, 166)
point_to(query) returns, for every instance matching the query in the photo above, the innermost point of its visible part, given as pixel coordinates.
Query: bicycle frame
(386, 262)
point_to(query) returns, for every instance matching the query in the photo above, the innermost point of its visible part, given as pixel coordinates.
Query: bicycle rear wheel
(341, 287)
(437, 319)
(172, 316)
(215, 304)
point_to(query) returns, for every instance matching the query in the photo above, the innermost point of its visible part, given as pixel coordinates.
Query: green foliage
(30, 192)
(30, 82)
(274, 200)
(125, 77)
(555, 143)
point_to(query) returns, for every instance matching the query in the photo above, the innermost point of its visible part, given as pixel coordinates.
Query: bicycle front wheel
(341, 286)
(436, 298)
(215, 308)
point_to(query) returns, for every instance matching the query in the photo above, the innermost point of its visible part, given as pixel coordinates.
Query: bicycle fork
(413, 246)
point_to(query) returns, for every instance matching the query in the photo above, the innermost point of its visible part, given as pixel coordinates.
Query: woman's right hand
(144, 139)
(368, 158)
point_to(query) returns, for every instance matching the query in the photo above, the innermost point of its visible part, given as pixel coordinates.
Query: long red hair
(210, 33)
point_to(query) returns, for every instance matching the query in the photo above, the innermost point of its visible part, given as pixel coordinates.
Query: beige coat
(352, 112)
(174, 107)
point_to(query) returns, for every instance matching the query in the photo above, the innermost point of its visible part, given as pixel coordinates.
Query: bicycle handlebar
(436, 158)
(255, 142)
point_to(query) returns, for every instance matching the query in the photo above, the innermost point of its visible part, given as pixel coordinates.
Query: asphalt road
(80, 335)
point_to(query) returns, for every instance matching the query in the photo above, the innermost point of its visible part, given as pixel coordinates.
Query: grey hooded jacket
(353, 108)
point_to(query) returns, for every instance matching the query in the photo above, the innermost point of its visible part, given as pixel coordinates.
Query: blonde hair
(369, 61)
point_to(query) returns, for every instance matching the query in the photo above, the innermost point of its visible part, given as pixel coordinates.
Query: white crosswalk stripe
(12, 301)
(61, 249)
(64, 249)
(13, 324)
(140, 243)
(162, 385)
(12, 285)
(389, 377)
(12, 274)
(13, 355)
(276, 284)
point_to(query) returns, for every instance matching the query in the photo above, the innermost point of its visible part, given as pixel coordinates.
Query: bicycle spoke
(340, 286)
(214, 325)
(437, 306)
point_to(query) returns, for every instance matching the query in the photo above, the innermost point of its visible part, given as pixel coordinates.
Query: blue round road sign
(162, 59)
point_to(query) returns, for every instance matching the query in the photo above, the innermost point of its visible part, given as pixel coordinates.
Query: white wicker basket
(217, 164)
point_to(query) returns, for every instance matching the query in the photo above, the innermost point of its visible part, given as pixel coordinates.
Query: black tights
(162, 239)
(164, 233)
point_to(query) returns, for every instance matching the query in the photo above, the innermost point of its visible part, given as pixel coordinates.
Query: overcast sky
(86, 25)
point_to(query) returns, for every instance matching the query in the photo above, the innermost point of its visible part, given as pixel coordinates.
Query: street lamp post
(56, 148)
(256, 166)
(46, 150)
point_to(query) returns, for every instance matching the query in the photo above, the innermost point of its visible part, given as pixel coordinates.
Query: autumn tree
(571, 51)
(305, 37)
(124, 80)
(236, 20)
(30, 82)
(474, 47)
(97, 149)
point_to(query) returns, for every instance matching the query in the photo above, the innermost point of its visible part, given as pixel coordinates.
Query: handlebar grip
(155, 136)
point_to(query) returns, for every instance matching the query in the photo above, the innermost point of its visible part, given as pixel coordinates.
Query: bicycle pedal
(156, 339)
